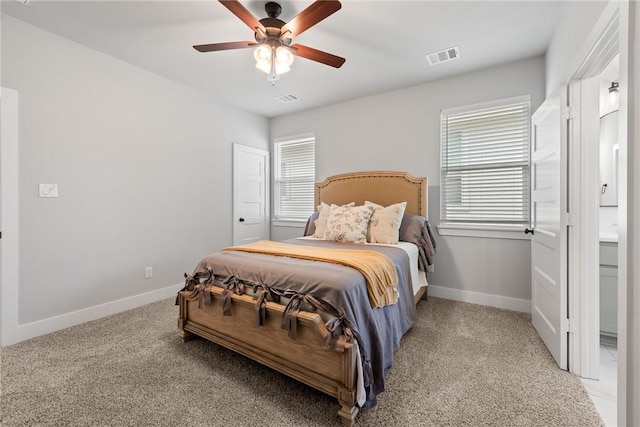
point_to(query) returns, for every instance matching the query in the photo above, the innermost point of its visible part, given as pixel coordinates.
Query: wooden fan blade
(309, 17)
(223, 46)
(241, 12)
(317, 55)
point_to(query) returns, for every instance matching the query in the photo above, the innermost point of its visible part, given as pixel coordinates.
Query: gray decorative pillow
(416, 229)
(310, 228)
(348, 224)
(385, 223)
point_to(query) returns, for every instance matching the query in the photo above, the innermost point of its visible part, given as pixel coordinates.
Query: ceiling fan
(274, 51)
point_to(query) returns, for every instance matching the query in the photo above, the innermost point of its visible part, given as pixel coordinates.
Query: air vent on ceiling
(287, 98)
(443, 55)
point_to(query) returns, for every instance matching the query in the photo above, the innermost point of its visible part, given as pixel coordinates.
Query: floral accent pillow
(348, 224)
(321, 223)
(385, 223)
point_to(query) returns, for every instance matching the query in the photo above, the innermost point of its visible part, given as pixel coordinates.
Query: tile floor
(603, 391)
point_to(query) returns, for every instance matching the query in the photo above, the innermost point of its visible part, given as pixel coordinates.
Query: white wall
(143, 166)
(399, 130)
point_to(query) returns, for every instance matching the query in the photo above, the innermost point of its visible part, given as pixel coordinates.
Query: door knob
(241, 220)
(527, 231)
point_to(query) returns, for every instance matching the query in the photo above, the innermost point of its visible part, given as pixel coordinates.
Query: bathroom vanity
(609, 287)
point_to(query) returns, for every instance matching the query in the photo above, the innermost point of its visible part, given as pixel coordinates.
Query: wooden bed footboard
(304, 359)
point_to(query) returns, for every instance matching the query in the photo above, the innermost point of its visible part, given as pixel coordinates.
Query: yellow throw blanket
(378, 270)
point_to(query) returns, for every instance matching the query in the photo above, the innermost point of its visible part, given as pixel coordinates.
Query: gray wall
(399, 130)
(564, 53)
(143, 166)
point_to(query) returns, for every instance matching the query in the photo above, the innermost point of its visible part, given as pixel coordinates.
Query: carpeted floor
(461, 365)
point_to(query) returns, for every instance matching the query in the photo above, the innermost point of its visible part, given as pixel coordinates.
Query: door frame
(615, 31)
(10, 216)
(584, 299)
(584, 289)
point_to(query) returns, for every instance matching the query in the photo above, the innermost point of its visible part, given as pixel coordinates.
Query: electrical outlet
(148, 272)
(48, 190)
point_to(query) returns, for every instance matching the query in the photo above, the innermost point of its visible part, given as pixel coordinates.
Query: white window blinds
(294, 176)
(485, 163)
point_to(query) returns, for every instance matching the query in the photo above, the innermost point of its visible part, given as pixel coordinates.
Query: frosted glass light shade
(263, 55)
(273, 61)
(284, 59)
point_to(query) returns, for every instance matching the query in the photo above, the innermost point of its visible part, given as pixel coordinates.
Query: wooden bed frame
(304, 359)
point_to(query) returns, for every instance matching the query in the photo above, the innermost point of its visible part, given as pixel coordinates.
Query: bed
(310, 320)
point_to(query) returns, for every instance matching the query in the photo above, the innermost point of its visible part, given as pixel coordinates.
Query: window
(294, 176)
(485, 165)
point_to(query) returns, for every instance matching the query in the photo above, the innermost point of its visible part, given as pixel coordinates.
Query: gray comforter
(380, 329)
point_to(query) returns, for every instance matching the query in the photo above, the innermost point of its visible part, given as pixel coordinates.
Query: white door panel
(548, 243)
(250, 194)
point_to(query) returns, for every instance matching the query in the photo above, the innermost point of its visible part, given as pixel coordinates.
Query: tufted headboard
(381, 187)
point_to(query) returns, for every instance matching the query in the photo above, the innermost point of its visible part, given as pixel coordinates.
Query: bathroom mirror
(609, 159)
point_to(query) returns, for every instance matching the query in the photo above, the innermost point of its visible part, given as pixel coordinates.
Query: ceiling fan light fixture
(262, 53)
(273, 61)
(283, 59)
(263, 56)
(273, 36)
(273, 77)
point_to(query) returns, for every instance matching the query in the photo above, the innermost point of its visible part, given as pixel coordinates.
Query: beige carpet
(461, 365)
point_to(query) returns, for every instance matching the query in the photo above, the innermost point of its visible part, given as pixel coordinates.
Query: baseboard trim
(497, 301)
(56, 323)
(610, 329)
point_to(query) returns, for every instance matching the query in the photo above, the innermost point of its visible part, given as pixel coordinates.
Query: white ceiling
(384, 43)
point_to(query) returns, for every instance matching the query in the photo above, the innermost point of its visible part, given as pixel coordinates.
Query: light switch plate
(48, 190)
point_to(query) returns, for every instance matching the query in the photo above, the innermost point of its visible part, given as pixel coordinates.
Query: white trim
(576, 252)
(489, 104)
(56, 323)
(302, 137)
(484, 231)
(506, 303)
(293, 223)
(584, 291)
(9, 148)
(584, 283)
(626, 16)
(629, 218)
(597, 51)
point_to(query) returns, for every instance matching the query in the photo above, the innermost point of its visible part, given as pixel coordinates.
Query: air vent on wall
(443, 55)
(287, 98)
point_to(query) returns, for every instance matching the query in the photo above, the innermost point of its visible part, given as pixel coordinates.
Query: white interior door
(250, 194)
(549, 241)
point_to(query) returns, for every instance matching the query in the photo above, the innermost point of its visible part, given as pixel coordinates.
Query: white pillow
(348, 224)
(321, 223)
(385, 223)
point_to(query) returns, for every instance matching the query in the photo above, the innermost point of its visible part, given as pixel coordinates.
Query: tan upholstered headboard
(381, 187)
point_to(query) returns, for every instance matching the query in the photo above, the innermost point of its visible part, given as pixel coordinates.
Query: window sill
(289, 223)
(484, 231)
